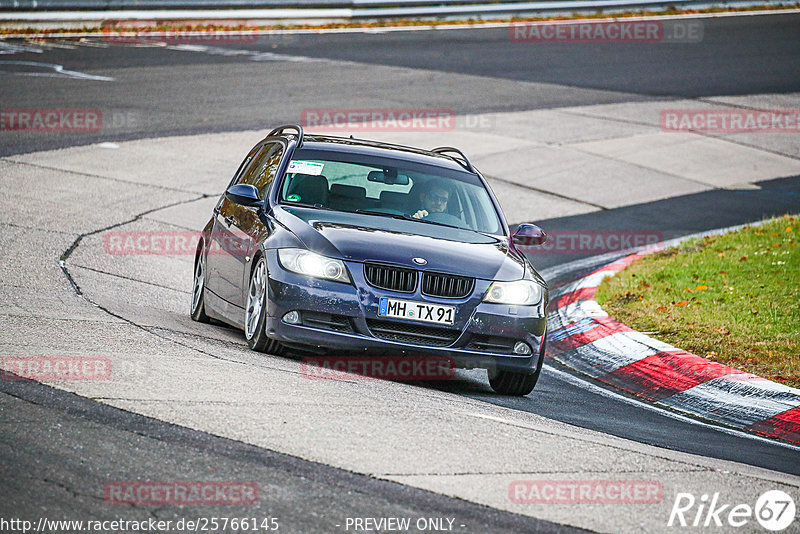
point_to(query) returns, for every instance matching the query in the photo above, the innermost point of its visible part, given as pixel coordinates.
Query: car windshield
(389, 187)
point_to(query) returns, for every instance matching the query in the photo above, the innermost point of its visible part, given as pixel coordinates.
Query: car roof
(380, 149)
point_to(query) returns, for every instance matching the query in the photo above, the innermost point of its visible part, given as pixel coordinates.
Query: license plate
(416, 311)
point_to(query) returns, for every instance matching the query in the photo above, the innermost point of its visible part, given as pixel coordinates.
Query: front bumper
(344, 317)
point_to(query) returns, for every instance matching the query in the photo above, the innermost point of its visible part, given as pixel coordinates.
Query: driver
(434, 198)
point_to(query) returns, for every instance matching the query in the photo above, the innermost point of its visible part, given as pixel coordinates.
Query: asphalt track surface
(171, 91)
(167, 91)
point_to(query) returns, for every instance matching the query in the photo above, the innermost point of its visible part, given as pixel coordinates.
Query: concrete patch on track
(606, 156)
(204, 377)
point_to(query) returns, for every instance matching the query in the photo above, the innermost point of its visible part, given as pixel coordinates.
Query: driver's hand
(420, 214)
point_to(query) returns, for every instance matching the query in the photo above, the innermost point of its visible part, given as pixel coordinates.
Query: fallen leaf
(701, 287)
(788, 228)
(723, 273)
(743, 258)
(754, 312)
(682, 303)
(661, 308)
(776, 244)
(721, 254)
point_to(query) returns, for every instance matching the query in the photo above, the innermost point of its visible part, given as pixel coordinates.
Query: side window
(262, 171)
(237, 177)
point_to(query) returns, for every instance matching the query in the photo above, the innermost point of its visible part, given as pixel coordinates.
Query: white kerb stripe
(735, 401)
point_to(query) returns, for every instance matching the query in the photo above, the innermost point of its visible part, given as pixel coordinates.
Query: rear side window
(261, 172)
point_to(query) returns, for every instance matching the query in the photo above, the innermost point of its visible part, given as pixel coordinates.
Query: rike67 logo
(774, 510)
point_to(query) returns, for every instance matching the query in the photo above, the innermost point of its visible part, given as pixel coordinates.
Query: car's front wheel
(198, 309)
(511, 383)
(256, 312)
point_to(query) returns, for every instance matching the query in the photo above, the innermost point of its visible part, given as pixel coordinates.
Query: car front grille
(496, 344)
(390, 277)
(326, 321)
(413, 333)
(447, 285)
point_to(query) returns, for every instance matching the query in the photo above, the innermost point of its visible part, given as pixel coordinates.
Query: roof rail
(279, 130)
(461, 159)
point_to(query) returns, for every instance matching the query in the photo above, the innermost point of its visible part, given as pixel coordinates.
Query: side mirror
(528, 235)
(244, 194)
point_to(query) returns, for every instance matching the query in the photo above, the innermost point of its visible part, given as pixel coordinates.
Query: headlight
(302, 261)
(521, 292)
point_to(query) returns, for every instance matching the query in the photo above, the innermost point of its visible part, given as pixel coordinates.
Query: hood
(359, 237)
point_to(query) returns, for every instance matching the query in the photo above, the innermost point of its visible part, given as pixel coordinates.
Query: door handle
(229, 220)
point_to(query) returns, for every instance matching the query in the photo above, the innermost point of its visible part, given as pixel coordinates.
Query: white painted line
(593, 388)
(8, 48)
(58, 71)
(254, 55)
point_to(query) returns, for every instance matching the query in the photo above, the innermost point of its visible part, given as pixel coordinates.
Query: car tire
(255, 317)
(512, 383)
(197, 310)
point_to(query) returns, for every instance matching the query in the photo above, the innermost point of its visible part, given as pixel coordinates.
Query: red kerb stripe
(584, 293)
(604, 327)
(785, 426)
(661, 375)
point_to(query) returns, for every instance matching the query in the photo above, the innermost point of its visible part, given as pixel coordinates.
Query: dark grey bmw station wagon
(353, 245)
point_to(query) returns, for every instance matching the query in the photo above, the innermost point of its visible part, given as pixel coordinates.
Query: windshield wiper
(407, 218)
(306, 205)
(384, 214)
(437, 223)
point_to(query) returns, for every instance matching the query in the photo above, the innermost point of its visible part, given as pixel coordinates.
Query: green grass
(734, 299)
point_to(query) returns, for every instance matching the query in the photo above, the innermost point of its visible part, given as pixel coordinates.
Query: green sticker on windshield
(293, 198)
